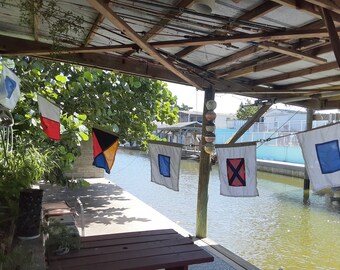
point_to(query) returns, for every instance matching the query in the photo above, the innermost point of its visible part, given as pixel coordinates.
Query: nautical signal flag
(165, 159)
(9, 88)
(237, 169)
(320, 149)
(105, 145)
(49, 118)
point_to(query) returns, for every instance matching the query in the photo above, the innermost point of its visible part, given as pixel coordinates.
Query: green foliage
(60, 237)
(19, 258)
(125, 104)
(244, 113)
(62, 24)
(22, 168)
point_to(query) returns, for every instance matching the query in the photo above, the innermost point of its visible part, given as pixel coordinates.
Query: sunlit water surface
(272, 231)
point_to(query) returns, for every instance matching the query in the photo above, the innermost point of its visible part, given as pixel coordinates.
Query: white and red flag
(50, 118)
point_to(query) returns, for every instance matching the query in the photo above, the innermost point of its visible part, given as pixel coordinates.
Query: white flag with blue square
(320, 149)
(9, 88)
(165, 159)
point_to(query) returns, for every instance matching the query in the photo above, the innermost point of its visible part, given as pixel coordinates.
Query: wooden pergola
(275, 51)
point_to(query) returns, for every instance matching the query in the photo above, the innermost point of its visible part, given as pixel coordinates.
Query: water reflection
(276, 229)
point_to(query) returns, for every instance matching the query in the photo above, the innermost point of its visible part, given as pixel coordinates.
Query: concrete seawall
(282, 168)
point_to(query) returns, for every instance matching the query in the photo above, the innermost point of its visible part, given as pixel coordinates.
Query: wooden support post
(333, 34)
(248, 124)
(204, 173)
(306, 182)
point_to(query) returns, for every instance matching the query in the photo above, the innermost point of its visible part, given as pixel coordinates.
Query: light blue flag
(165, 159)
(321, 151)
(9, 88)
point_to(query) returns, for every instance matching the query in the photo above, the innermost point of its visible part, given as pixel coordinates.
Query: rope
(262, 141)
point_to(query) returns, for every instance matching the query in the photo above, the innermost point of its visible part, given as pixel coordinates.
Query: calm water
(271, 231)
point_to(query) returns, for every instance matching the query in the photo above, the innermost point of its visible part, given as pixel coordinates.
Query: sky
(188, 95)
(226, 103)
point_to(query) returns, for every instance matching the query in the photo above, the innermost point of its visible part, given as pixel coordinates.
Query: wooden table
(135, 250)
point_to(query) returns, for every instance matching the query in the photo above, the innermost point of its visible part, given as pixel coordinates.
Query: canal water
(275, 230)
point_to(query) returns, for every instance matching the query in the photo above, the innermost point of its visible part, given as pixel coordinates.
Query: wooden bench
(62, 212)
(135, 250)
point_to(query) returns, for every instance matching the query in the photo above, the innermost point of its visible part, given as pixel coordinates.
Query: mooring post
(306, 182)
(204, 173)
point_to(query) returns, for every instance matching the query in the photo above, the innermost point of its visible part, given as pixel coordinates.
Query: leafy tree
(244, 113)
(184, 107)
(87, 96)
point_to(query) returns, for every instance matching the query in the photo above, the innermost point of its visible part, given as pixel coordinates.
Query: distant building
(220, 122)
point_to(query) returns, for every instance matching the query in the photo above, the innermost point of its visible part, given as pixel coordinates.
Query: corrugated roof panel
(297, 65)
(291, 81)
(10, 21)
(109, 35)
(319, 86)
(330, 57)
(200, 59)
(231, 9)
(286, 17)
(323, 74)
(259, 75)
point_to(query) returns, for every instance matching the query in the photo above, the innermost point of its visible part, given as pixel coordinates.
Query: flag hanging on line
(237, 169)
(9, 88)
(49, 118)
(320, 149)
(165, 159)
(105, 145)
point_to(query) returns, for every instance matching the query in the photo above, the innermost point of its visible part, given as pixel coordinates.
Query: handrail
(81, 216)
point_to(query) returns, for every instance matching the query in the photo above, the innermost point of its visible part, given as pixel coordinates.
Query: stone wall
(83, 167)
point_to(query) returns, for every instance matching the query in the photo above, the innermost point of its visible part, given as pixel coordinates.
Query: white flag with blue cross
(237, 169)
(320, 149)
(9, 88)
(165, 159)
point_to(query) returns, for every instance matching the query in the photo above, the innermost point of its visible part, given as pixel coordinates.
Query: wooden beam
(294, 53)
(280, 35)
(96, 24)
(247, 67)
(310, 83)
(333, 35)
(333, 5)
(158, 27)
(292, 34)
(37, 52)
(99, 20)
(252, 49)
(248, 124)
(296, 73)
(300, 5)
(237, 73)
(253, 14)
(101, 7)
